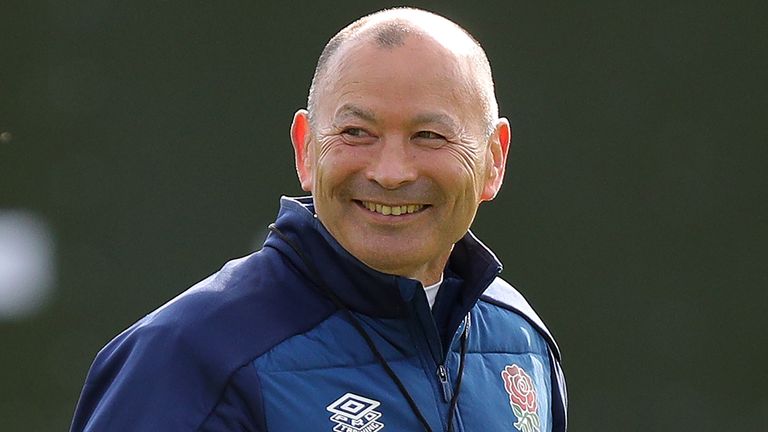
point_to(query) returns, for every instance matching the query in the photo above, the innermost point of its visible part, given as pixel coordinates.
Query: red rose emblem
(522, 398)
(520, 388)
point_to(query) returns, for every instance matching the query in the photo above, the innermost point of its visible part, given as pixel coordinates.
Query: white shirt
(432, 292)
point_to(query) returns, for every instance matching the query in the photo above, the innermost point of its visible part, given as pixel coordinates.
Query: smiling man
(371, 306)
(401, 144)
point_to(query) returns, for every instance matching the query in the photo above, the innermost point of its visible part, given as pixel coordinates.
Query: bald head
(390, 29)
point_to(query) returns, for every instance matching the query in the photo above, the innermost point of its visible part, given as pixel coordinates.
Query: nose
(394, 165)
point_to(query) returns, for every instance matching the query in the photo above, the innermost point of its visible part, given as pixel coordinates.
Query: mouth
(392, 210)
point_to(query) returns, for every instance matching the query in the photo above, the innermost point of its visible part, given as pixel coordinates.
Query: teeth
(392, 210)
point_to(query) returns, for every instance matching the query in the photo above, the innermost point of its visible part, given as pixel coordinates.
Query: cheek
(467, 166)
(335, 163)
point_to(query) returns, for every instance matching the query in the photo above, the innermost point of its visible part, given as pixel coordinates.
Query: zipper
(442, 372)
(442, 376)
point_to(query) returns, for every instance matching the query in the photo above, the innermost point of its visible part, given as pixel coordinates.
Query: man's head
(390, 29)
(402, 140)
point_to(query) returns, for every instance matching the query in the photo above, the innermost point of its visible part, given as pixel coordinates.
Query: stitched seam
(222, 393)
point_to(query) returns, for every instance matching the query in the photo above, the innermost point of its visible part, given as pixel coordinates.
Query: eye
(355, 132)
(429, 139)
(429, 135)
(356, 136)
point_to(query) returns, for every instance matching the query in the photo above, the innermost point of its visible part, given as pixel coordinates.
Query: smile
(395, 210)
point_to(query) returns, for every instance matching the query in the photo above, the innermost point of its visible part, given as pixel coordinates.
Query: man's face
(399, 158)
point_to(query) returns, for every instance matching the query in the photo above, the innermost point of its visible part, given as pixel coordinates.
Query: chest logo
(522, 398)
(355, 413)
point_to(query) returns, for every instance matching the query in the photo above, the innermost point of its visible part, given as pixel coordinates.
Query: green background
(152, 136)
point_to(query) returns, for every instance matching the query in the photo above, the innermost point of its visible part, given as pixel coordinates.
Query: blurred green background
(149, 139)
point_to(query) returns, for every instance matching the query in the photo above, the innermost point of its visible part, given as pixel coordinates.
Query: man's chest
(327, 379)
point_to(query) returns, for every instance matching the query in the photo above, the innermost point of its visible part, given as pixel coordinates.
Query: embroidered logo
(354, 413)
(522, 398)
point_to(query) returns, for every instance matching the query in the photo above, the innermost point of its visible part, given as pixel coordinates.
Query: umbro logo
(355, 413)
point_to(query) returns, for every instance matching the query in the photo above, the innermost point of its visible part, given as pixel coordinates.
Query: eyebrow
(435, 117)
(350, 110)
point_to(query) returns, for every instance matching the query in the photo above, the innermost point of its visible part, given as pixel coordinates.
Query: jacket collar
(360, 287)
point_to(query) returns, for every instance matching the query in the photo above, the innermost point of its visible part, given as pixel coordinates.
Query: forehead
(418, 71)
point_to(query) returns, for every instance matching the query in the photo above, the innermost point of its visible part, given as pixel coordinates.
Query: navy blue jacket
(259, 347)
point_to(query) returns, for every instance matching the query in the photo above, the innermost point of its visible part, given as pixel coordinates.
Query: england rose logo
(522, 398)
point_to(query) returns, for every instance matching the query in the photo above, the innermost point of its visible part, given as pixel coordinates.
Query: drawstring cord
(315, 276)
(455, 398)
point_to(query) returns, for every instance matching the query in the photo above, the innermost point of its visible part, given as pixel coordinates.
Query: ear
(498, 147)
(300, 137)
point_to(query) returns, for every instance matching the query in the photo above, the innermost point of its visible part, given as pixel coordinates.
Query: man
(370, 305)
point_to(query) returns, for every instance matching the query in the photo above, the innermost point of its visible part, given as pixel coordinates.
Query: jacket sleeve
(156, 378)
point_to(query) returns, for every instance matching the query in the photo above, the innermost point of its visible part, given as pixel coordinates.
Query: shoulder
(500, 293)
(171, 368)
(237, 313)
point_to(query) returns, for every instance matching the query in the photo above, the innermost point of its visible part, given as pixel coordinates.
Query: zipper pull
(442, 375)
